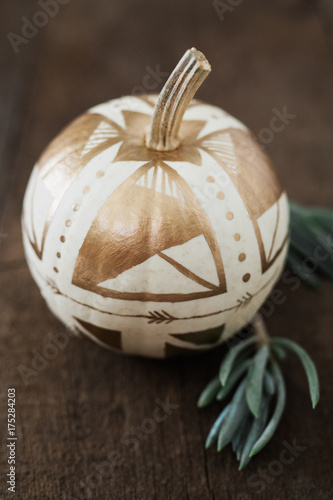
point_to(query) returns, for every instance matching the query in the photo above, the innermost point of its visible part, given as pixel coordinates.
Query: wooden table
(84, 409)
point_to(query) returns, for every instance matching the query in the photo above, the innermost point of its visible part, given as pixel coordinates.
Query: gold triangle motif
(101, 134)
(220, 145)
(138, 222)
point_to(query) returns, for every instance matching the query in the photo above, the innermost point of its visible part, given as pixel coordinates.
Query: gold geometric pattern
(137, 203)
(111, 338)
(151, 222)
(210, 336)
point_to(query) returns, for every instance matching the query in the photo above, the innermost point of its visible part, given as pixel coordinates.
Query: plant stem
(174, 98)
(260, 330)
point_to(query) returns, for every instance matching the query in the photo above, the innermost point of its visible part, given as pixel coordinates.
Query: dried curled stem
(184, 81)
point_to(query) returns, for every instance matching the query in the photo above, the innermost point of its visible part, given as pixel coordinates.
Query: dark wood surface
(81, 409)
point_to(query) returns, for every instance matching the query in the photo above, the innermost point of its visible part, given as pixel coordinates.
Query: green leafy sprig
(311, 243)
(250, 418)
(250, 372)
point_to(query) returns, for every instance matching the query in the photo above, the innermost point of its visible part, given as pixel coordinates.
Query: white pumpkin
(155, 252)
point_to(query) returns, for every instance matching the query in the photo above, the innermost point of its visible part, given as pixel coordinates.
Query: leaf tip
(208, 443)
(314, 403)
(254, 412)
(220, 446)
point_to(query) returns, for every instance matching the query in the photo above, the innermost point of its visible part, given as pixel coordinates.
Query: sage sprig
(251, 418)
(251, 369)
(311, 243)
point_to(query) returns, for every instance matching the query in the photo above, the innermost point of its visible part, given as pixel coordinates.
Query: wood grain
(86, 405)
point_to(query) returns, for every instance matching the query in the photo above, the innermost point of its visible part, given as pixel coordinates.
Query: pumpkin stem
(182, 84)
(260, 329)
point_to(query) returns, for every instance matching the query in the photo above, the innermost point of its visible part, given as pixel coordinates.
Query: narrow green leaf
(296, 208)
(240, 359)
(238, 410)
(275, 419)
(323, 253)
(209, 393)
(255, 379)
(212, 436)
(234, 442)
(240, 437)
(269, 383)
(254, 433)
(320, 235)
(321, 212)
(310, 230)
(229, 360)
(233, 379)
(324, 223)
(295, 263)
(308, 365)
(309, 219)
(322, 216)
(302, 240)
(280, 352)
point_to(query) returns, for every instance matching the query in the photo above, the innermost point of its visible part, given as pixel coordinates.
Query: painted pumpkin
(156, 226)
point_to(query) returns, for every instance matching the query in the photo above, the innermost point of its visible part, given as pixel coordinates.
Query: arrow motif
(160, 317)
(245, 300)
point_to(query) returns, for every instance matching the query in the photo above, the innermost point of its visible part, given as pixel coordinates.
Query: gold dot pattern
(230, 215)
(237, 237)
(241, 257)
(246, 277)
(210, 178)
(220, 195)
(76, 207)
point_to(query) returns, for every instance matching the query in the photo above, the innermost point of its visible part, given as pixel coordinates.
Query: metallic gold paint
(147, 220)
